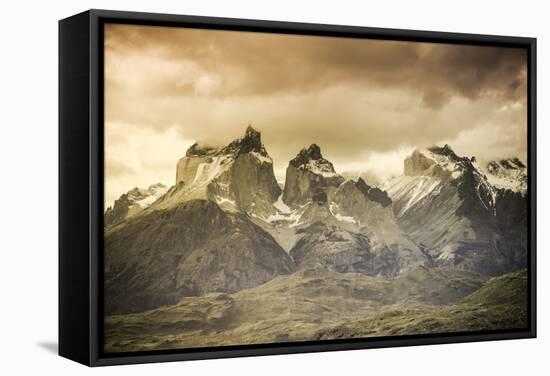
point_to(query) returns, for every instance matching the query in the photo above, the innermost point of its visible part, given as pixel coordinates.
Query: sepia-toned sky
(367, 103)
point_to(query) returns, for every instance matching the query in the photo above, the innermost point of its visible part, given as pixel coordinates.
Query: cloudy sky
(367, 103)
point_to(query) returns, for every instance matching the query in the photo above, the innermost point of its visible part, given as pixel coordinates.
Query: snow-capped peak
(436, 161)
(143, 197)
(133, 202)
(312, 160)
(250, 142)
(508, 174)
(445, 165)
(211, 161)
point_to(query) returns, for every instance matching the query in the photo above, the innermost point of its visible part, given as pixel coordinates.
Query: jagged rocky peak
(220, 156)
(435, 161)
(312, 160)
(251, 142)
(309, 177)
(464, 214)
(417, 164)
(436, 169)
(132, 202)
(238, 176)
(510, 174)
(373, 193)
(446, 150)
(306, 154)
(496, 167)
(362, 186)
(359, 204)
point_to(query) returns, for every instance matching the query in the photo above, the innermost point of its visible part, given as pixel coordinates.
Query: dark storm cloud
(359, 99)
(266, 64)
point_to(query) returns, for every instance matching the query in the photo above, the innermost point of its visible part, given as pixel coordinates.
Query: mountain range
(226, 225)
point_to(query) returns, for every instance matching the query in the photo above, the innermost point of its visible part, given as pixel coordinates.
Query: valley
(320, 305)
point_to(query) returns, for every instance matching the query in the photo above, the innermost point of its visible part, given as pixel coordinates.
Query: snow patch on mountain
(319, 167)
(342, 218)
(206, 172)
(222, 201)
(410, 190)
(281, 206)
(133, 202)
(446, 162)
(143, 197)
(151, 194)
(510, 174)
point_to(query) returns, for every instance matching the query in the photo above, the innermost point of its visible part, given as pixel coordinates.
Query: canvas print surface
(266, 188)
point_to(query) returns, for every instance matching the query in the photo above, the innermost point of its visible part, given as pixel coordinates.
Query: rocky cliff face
(309, 176)
(333, 247)
(448, 206)
(508, 174)
(338, 224)
(198, 237)
(133, 202)
(445, 167)
(157, 258)
(226, 225)
(239, 177)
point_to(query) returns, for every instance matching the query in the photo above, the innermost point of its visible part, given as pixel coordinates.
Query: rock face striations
(309, 176)
(133, 202)
(338, 224)
(508, 174)
(199, 237)
(238, 176)
(226, 225)
(448, 206)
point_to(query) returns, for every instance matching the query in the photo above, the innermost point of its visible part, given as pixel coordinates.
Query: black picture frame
(81, 185)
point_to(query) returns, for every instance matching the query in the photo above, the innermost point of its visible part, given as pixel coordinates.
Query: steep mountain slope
(508, 174)
(328, 222)
(308, 177)
(195, 248)
(296, 307)
(132, 202)
(448, 206)
(238, 177)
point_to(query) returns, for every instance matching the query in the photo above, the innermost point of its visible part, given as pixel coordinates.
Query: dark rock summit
(435, 161)
(222, 227)
(373, 193)
(313, 152)
(508, 174)
(132, 202)
(448, 205)
(238, 176)
(309, 174)
(251, 142)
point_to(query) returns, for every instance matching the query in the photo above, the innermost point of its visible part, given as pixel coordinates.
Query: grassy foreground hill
(318, 304)
(500, 304)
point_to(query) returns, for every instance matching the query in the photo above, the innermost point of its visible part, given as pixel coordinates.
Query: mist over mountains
(226, 225)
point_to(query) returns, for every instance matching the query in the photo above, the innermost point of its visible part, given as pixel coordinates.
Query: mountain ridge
(448, 206)
(443, 212)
